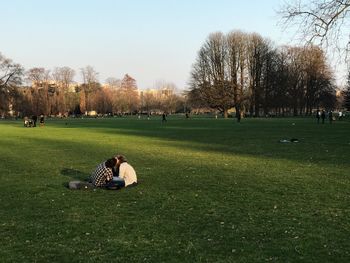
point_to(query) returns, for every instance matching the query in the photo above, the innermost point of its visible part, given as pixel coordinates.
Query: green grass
(210, 191)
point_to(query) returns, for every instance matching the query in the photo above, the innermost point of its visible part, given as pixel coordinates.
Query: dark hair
(110, 163)
(121, 158)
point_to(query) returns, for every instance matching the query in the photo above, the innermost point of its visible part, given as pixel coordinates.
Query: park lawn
(211, 190)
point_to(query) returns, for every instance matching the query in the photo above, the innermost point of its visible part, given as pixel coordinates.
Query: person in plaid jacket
(103, 173)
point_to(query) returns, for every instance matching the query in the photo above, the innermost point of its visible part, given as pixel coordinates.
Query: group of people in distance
(32, 122)
(322, 115)
(115, 173)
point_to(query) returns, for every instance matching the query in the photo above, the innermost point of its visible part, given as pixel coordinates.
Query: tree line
(237, 70)
(247, 72)
(55, 93)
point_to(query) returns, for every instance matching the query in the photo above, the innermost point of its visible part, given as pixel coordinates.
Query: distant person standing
(330, 116)
(323, 116)
(238, 112)
(238, 115)
(164, 117)
(340, 115)
(42, 120)
(34, 118)
(318, 116)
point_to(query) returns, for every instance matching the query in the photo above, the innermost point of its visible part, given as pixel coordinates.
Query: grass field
(210, 191)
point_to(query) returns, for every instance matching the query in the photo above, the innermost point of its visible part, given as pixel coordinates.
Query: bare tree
(317, 77)
(346, 94)
(303, 80)
(280, 96)
(129, 97)
(148, 101)
(166, 97)
(38, 76)
(113, 83)
(90, 84)
(324, 22)
(269, 80)
(246, 70)
(103, 100)
(63, 77)
(10, 76)
(236, 63)
(195, 100)
(258, 48)
(210, 76)
(118, 102)
(39, 79)
(10, 73)
(89, 75)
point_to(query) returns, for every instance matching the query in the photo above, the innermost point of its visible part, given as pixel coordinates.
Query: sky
(151, 40)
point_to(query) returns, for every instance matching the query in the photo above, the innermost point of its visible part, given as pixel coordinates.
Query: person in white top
(340, 115)
(126, 174)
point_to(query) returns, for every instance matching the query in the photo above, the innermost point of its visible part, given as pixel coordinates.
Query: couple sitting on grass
(115, 173)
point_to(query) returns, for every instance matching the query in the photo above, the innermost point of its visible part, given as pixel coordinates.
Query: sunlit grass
(210, 191)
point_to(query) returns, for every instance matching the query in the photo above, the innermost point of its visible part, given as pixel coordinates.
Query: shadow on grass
(321, 144)
(76, 175)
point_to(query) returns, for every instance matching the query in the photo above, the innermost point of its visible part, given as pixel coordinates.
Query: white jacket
(127, 172)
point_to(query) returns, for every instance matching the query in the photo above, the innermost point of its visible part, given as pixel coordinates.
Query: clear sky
(151, 40)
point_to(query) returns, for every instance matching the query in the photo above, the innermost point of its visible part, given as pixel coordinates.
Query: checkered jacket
(101, 175)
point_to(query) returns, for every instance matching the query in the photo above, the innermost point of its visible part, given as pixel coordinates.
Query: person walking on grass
(126, 174)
